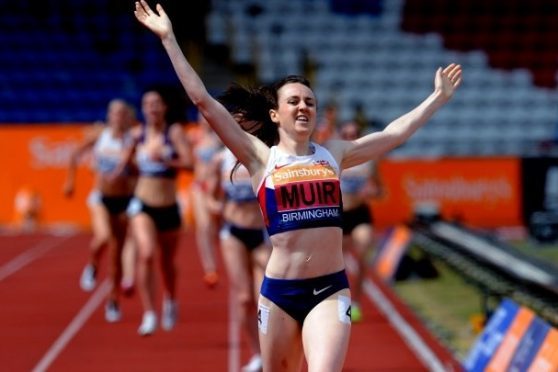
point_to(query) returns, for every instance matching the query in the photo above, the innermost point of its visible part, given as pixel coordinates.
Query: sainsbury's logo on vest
(282, 175)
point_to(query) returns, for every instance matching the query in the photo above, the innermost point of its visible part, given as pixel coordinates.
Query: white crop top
(300, 192)
(240, 189)
(354, 179)
(108, 151)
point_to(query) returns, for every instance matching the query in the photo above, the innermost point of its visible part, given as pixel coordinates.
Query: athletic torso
(241, 205)
(157, 181)
(354, 180)
(108, 153)
(301, 203)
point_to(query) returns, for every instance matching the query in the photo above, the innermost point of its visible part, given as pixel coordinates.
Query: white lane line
(73, 328)
(422, 351)
(29, 256)
(234, 334)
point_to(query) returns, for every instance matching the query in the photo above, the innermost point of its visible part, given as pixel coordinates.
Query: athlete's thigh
(145, 234)
(280, 338)
(236, 259)
(119, 226)
(326, 333)
(202, 215)
(169, 241)
(362, 238)
(129, 248)
(100, 221)
(170, 238)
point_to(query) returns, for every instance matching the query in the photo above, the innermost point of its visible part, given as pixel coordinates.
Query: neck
(117, 132)
(296, 148)
(156, 125)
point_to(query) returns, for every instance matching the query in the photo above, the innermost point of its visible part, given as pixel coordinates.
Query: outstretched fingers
(160, 9)
(145, 6)
(142, 10)
(155, 20)
(449, 67)
(454, 74)
(455, 70)
(139, 12)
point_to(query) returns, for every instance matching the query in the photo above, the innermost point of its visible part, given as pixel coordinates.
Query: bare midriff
(306, 253)
(156, 191)
(246, 215)
(119, 186)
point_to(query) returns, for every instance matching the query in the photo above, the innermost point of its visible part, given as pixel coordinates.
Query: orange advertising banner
(479, 192)
(483, 192)
(390, 253)
(35, 162)
(546, 359)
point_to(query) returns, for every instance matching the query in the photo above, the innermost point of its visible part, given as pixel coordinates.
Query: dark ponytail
(253, 105)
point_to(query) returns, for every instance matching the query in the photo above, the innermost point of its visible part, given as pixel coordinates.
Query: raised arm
(374, 145)
(87, 144)
(248, 149)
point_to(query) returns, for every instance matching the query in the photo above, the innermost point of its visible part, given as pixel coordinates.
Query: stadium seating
(63, 61)
(386, 58)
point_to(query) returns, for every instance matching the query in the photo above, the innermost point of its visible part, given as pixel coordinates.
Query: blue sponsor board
(491, 337)
(529, 345)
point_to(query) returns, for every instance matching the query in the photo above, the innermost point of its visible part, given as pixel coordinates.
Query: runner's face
(119, 115)
(296, 111)
(349, 132)
(153, 107)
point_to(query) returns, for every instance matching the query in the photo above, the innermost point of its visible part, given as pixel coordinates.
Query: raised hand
(159, 23)
(447, 80)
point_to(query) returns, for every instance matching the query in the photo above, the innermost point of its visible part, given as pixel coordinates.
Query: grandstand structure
(62, 61)
(383, 54)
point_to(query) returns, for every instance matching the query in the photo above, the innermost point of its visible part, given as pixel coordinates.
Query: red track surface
(45, 321)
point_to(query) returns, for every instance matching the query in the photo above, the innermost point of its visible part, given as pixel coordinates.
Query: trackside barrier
(497, 269)
(430, 350)
(514, 339)
(35, 162)
(390, 251)
(518, 336)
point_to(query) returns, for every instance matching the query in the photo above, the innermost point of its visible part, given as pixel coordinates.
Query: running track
(48, 323)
